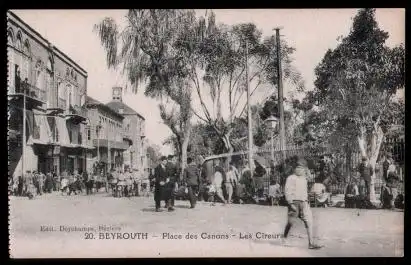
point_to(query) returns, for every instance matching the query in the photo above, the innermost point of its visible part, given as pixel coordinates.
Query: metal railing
(62, 103)
(280, 164)
(30, 91)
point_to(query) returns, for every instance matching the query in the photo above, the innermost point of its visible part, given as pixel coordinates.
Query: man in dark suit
(171, 169)
(192, 179)
(161, 179)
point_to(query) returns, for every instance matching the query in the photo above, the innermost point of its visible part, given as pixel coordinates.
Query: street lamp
(272, 121)
(98, 128)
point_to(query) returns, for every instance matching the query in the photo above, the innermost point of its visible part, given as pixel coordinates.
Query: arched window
(11, 61)
(39, 78)
(10, 37)
(26, 48)
(19, 41)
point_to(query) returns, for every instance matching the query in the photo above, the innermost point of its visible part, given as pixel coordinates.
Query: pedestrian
(218, 182)
(366, 172)
(30, 189)
(352, 194)
(56, 181)
(296, 196)
(161, 179)
(171, 169)
(388, 161)
(231, 181)
(64, 184)
(49, 182)
(192, 180)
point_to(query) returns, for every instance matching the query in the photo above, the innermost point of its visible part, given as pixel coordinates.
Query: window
(88, 134)
(10, 57)
(26, 61)
(19, 42)
(10, 37)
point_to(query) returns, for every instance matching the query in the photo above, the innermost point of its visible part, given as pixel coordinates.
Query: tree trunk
(184, 146)
(228, 145)
(374, 148)
(376, 140)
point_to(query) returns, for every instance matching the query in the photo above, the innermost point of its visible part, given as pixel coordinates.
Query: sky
(311, 31)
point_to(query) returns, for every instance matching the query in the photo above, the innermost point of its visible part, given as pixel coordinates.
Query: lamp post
(272, 122)
(98, 128)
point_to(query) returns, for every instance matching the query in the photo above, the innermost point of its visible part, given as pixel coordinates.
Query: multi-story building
(49, 89)
(106, 133)
(134, 132)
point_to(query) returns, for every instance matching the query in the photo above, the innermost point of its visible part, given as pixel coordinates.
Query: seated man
(274, 193)
(319, 194)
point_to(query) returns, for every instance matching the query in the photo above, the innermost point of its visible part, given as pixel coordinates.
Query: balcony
(128, 137)
(58, 108)
(35, 97)
(76, 114)
(104, 143)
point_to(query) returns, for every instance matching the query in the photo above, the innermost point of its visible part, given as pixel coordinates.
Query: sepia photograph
(159, 133)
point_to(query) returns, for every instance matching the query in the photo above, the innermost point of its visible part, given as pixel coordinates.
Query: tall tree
(149, 52)
(223, 56)
(355, 85)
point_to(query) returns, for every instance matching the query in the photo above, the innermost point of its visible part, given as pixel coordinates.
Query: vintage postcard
(206, 133)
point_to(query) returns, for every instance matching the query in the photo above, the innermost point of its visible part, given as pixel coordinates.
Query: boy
(297, 198)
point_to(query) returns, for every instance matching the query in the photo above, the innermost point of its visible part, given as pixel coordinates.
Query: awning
(42, 130)
(62, 130)
(32, 141)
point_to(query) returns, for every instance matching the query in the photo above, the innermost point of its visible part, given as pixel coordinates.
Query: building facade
(133, 132)
(105, 131)
(49, 89)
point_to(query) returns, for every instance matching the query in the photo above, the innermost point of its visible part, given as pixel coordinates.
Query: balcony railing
(62, 104)
(29, 90)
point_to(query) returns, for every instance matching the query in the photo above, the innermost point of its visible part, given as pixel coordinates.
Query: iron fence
(333, 167)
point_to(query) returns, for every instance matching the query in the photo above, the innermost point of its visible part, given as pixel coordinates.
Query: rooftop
(91, 102)
(45, 42)
(117, 105)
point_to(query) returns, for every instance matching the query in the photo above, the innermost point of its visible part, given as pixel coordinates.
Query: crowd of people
(227, 184)
(119, 183)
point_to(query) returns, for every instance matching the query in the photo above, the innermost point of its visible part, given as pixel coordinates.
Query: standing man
(171, 169)
(161, 179)
(218, 182)
(192, 179)
(366, 173)
(231, 181)
(297, 198)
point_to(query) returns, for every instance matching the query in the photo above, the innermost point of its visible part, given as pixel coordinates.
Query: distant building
(54, 88)
(133, 131)
(105, 131)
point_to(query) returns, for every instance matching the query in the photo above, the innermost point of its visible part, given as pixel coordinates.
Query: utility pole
(250, 127)
(280, 92)
(24, 130)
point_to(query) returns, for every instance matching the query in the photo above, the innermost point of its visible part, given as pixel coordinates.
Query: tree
(153, 153)
(148, 50)
(223, 56)
(355, 84)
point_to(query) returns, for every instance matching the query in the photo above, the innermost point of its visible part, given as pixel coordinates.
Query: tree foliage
(354, 88)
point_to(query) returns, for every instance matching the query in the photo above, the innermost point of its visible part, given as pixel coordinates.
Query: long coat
(160, 174)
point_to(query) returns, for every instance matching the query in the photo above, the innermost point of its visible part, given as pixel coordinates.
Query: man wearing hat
(366, 172)
(297, 198)
(391, 181)
(161, 178)
(171, 169)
